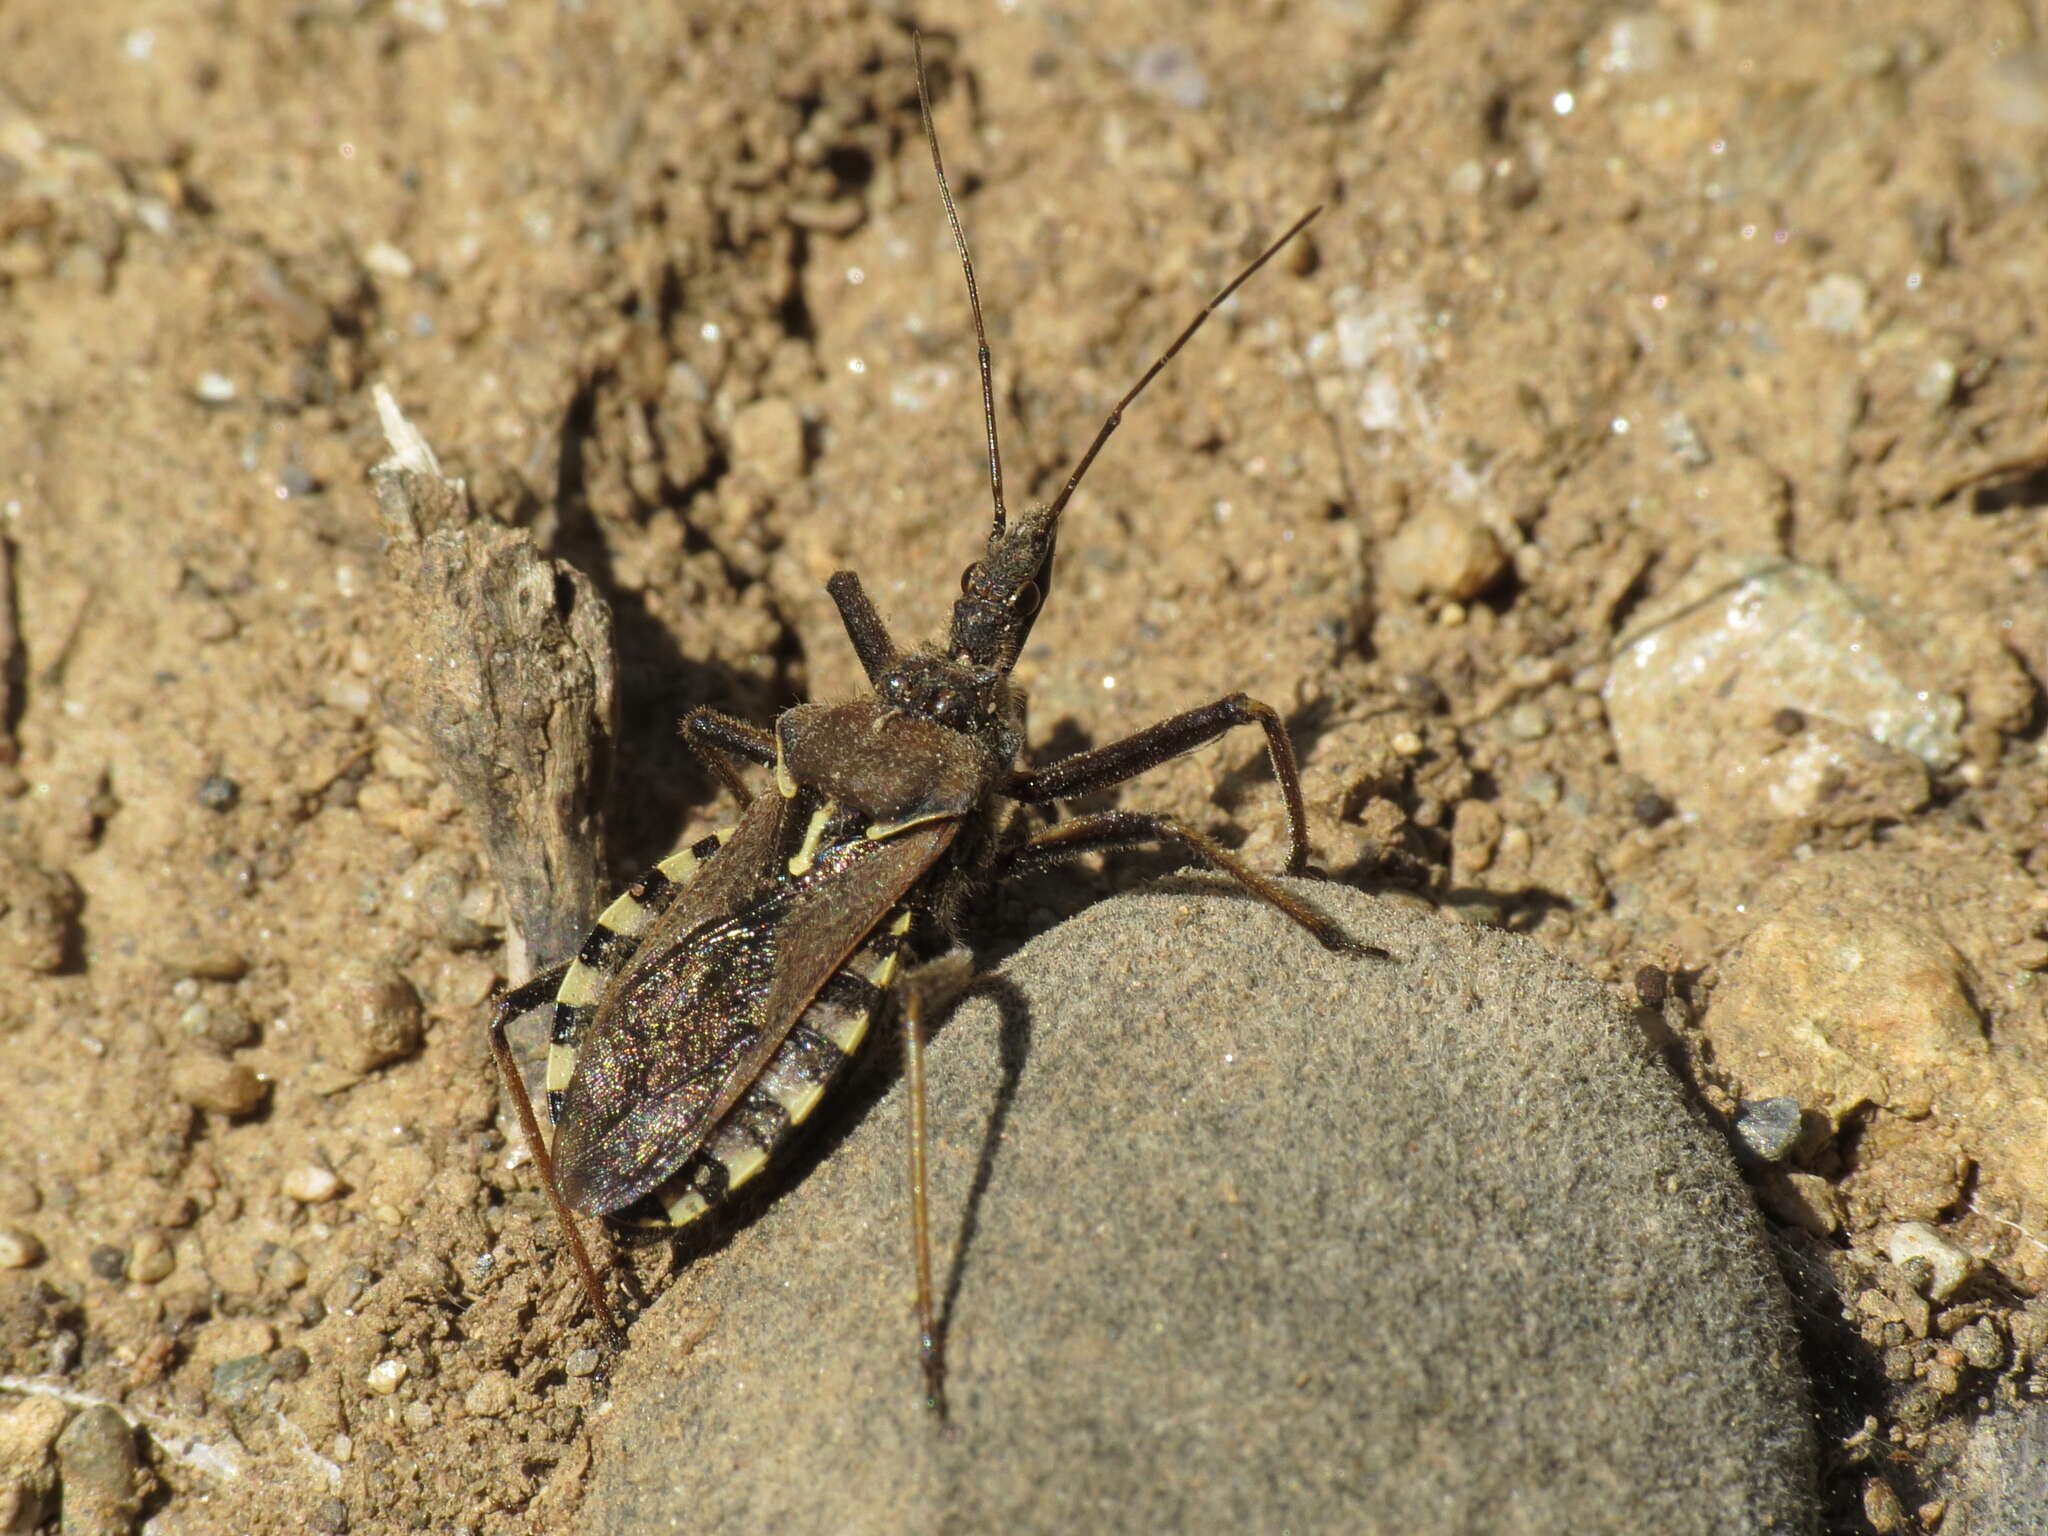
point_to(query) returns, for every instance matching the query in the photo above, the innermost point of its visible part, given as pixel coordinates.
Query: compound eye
(1026, 602)
(967, 579)
(896, 685)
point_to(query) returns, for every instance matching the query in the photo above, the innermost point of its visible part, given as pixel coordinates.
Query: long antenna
(1116, 415)
(988, 393)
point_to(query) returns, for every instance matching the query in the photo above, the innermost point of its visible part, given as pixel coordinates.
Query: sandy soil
(1604, 301)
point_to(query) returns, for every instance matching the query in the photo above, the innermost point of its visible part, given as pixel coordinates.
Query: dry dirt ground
(1610, 306)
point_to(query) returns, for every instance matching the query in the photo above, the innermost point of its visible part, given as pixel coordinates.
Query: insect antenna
(988, 393)
(1116, 415)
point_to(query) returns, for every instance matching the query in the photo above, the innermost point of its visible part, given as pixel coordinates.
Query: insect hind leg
(1115, 831)
(521, 1000)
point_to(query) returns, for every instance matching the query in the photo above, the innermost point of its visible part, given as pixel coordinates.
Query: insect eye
(1026, 602)
(967, 579)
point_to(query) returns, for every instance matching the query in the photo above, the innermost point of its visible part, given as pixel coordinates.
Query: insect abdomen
(812, 1056)
(611, 945)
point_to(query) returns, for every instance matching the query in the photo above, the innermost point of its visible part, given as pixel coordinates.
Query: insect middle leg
(520, 1000)
(720, 740)
(1105, 766)
(1116, 831)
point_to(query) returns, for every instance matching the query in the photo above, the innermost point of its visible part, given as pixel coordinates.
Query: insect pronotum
(716, 1000)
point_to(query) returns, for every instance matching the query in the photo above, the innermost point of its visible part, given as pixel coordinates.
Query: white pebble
(386, 1376)
(19, 1248)
(492, 1396)
(1836, 303)
(1949, 1264)
(312, 1184)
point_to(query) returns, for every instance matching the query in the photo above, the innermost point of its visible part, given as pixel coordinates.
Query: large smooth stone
(1257, 1238)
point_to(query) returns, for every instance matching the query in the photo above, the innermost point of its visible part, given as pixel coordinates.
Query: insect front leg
(520, 1000)
(719, 741)
(864, 626)
(1103, 767)
(1117, 831)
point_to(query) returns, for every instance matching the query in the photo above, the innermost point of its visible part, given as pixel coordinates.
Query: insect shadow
(865, 1089)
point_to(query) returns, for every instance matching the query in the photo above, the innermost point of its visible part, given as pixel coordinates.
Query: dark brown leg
(929, 987)
(521, 1000)
(1126, 759)
(864, 626)
(720, 740)
(1114, 831)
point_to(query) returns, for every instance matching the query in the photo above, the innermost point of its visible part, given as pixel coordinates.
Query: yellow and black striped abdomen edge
(607, 951)
(811, 1057)
(813, 1054)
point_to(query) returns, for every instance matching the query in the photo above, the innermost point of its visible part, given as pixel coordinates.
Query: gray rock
(1257, 1237)
(99, 1469)
(1999, 1486)
(1769, 1127)
(1740, 652)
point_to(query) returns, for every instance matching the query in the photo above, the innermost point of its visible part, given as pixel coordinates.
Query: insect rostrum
(717, 999)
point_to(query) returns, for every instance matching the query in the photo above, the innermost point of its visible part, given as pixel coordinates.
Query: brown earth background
(1608, 306)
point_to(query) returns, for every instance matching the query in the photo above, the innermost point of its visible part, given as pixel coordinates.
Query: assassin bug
(716, 1000)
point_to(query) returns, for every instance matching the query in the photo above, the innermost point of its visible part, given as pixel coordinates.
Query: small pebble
(218, 792)
(1836, 303)
(38, 915)
(370, 1017)
(1444, 553)
(1936, 384)
(490, 1397)
(28, 1433)
(19, 1248)
(232, 1338)
(99, 1468)
(1881, 1507)
(386, 1377)
(1787, 721)
(219, 1087)
(236, 1382)
(1769, 1127)
(447, 899)
(310, 1184)
(108, 1263)
(1650, 809)
(418, 1417)
(290, 1363)
(581, 1362)
(1948, 1265)
(1528, 722)
(191, 952)
(19, 1196)
(1406, 744)
(329, 1517)
(1421, 690)
(220, 1025)
(1980, 1345)
(286, 1270)
(214, 388)
(152, 1259)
